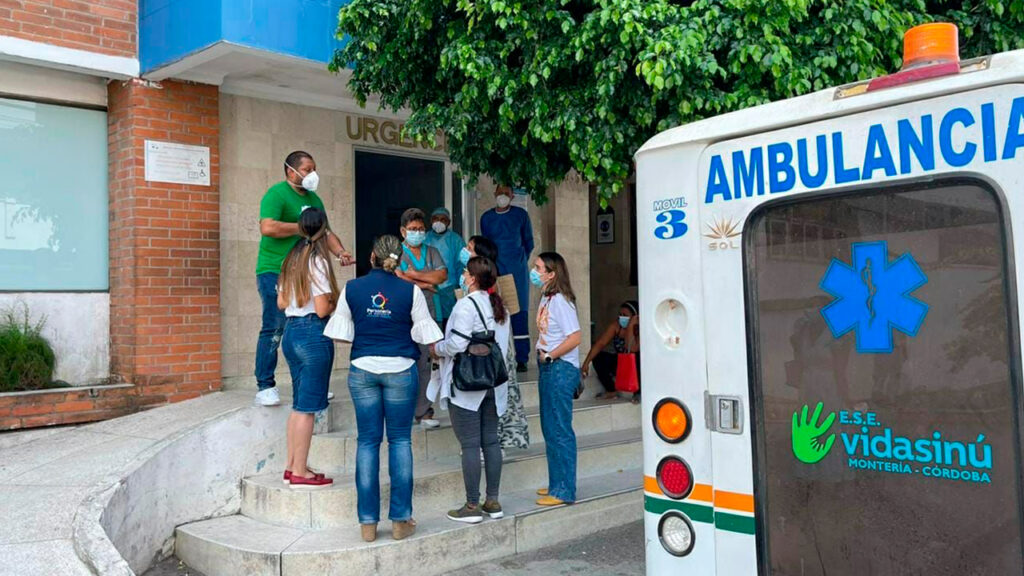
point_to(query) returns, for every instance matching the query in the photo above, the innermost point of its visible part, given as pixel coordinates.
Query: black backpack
(482, 366)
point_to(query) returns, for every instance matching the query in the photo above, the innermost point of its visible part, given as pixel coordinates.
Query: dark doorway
(386, 186)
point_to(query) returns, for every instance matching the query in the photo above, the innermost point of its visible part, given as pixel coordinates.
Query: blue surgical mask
(462, 284)
(415, 237)
(465, 255)
(535, 278)
(623, 321)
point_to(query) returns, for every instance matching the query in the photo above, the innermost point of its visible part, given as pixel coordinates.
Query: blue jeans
(379, 400)
(557, 385)
(271, 331)
(310, 357)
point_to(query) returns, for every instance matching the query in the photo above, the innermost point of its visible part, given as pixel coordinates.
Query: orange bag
(626, 377)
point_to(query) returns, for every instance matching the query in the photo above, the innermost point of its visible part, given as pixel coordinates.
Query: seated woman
(624, 337)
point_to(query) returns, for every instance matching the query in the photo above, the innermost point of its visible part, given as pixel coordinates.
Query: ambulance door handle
(723, 413)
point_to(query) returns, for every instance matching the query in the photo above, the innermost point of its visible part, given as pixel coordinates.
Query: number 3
(673, 225)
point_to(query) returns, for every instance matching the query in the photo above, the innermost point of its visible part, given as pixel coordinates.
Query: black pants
(606, 364)
(476, 430)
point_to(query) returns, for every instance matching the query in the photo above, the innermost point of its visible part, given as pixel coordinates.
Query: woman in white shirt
(307, 292)
(384, 317)
(558, 352)
(475, 414)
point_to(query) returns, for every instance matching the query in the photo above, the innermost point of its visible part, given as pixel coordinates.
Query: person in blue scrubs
(450, 245)
(509, 227)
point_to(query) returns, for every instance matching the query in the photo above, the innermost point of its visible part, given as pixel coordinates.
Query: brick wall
(165, 325)
(105, 26)
(77, 406)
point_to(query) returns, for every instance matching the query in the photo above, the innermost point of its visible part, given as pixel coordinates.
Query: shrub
(26, 358)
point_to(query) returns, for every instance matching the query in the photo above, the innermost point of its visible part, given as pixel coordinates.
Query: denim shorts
(310, 357)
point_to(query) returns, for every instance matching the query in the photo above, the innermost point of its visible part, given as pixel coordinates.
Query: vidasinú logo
(872, 446)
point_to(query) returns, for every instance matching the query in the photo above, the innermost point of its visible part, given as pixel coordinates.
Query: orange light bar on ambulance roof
(934, 43)
(929, 51)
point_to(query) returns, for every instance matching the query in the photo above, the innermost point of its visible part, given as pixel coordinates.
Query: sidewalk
(63, 490)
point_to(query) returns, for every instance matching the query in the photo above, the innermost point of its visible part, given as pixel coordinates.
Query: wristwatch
(548, 359)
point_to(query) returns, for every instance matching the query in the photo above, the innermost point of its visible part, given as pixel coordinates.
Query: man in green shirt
(279, 214)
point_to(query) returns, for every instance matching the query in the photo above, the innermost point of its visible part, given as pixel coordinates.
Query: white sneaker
(268, 397)
(330, 396)
(430, 423)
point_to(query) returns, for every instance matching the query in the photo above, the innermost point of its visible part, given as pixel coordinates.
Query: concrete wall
(77, 326)
(256, 135)
(610, 264)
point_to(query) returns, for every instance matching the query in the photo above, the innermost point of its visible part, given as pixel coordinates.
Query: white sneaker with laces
(268, 397)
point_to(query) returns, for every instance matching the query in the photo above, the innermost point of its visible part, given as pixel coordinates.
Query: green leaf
(528, 90)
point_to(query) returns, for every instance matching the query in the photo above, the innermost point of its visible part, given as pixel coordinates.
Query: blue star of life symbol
(873, 297)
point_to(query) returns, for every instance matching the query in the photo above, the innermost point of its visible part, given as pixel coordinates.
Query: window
(892, 310)
(53, 198)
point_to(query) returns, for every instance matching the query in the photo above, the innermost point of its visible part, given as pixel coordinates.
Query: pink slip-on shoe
(310, 483)
(288, 475)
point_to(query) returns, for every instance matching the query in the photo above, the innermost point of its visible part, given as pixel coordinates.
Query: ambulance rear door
(861, 321)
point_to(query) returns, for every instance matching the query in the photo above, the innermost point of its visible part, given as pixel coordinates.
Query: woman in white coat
(475, 415)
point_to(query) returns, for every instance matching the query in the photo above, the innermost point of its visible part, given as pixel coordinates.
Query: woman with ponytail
(307, 291)
(384, 317)
(475, 414)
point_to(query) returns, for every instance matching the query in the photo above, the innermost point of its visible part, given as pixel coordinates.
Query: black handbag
(482, 366)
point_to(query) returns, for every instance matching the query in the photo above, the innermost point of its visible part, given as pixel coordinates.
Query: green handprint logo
(808, 444)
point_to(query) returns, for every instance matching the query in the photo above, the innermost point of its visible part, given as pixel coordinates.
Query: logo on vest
(378, 309)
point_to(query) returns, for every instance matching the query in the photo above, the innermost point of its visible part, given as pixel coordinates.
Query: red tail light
(675, 478)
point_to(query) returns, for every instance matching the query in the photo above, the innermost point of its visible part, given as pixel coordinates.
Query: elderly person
(423, 266)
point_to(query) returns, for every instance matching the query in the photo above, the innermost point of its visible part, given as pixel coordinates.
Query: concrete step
(241, 546)
(335, 452)
(437, 483)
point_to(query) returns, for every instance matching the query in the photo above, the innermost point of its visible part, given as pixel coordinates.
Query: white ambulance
(832, 354)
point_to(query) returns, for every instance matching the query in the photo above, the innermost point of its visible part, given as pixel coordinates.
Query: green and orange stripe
(729, 511)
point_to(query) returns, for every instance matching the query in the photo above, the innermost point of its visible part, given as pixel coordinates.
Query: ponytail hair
(295, 282)
(485, 272)
(387, 253)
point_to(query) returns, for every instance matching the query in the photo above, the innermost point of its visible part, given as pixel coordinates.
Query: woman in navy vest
(384, 317)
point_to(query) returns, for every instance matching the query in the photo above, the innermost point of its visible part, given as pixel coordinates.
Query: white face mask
(310, 181)
(504, 201)
(439, 227)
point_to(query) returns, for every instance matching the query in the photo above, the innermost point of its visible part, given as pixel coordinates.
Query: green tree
(525, 90)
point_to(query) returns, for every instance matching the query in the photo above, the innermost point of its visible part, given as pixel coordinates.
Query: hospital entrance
(388, 184)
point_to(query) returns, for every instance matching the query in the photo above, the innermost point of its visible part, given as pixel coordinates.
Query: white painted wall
(77, 326)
